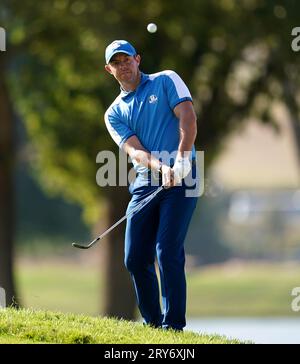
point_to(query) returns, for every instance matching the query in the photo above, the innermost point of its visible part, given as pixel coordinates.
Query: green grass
(221, 290)
(61, 286)
(262, 289)
(29, 326)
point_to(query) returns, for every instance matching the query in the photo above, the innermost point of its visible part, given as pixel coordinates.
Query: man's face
(123, 67)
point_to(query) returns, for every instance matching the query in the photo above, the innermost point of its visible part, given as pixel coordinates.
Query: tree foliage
(235, 56)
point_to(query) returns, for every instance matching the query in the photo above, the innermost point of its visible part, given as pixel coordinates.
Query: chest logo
(153, 99)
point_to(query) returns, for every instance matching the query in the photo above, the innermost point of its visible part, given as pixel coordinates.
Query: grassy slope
(221, 290)
(28, 326)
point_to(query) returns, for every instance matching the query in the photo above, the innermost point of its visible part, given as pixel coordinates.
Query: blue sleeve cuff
(125, 138)
(181, 100)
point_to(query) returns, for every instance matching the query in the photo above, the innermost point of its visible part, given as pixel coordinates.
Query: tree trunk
(295, 123)
(119, 297)
(290, 92)
(6, 192)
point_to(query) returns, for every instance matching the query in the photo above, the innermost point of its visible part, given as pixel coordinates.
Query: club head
(75, 245)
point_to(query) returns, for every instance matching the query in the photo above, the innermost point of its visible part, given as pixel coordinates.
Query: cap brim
(119, 51)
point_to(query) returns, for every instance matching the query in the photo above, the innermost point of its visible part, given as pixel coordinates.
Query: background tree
(6, 189)
(234, 55)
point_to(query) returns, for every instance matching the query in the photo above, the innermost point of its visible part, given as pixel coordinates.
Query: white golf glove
(181, 168)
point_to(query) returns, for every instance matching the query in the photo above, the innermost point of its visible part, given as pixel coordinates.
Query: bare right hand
(167, 176)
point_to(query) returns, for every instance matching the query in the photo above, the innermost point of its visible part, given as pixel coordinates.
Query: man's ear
(138, 59)
(107, 67)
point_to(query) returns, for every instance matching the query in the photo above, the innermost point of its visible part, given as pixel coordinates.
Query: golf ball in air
(152, 28)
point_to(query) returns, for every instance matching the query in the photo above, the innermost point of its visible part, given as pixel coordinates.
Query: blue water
(281, 330)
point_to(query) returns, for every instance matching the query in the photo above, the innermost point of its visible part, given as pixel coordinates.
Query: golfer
(152, 119)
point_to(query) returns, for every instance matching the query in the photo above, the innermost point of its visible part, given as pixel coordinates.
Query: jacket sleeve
(117, 128)
(176, 89)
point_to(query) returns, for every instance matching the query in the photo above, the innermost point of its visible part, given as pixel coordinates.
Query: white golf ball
(152, 28)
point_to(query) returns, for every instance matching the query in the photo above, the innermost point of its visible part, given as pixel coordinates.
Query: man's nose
(123, 64)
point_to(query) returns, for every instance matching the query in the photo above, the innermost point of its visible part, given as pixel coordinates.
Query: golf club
(138, 207)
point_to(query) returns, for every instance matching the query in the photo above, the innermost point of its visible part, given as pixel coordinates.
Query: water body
(271, 330)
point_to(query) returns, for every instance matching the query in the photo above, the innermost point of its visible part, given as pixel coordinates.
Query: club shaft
(140, 205)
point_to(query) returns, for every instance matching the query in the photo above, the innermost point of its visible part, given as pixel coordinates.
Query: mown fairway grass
(222, 290)
(59, 286)
(260, 289)
(28, 326)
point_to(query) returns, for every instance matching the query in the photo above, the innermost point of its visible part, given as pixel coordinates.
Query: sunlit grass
(28, 326)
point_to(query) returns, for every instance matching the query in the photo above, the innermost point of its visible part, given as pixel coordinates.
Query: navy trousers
(159, 230)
